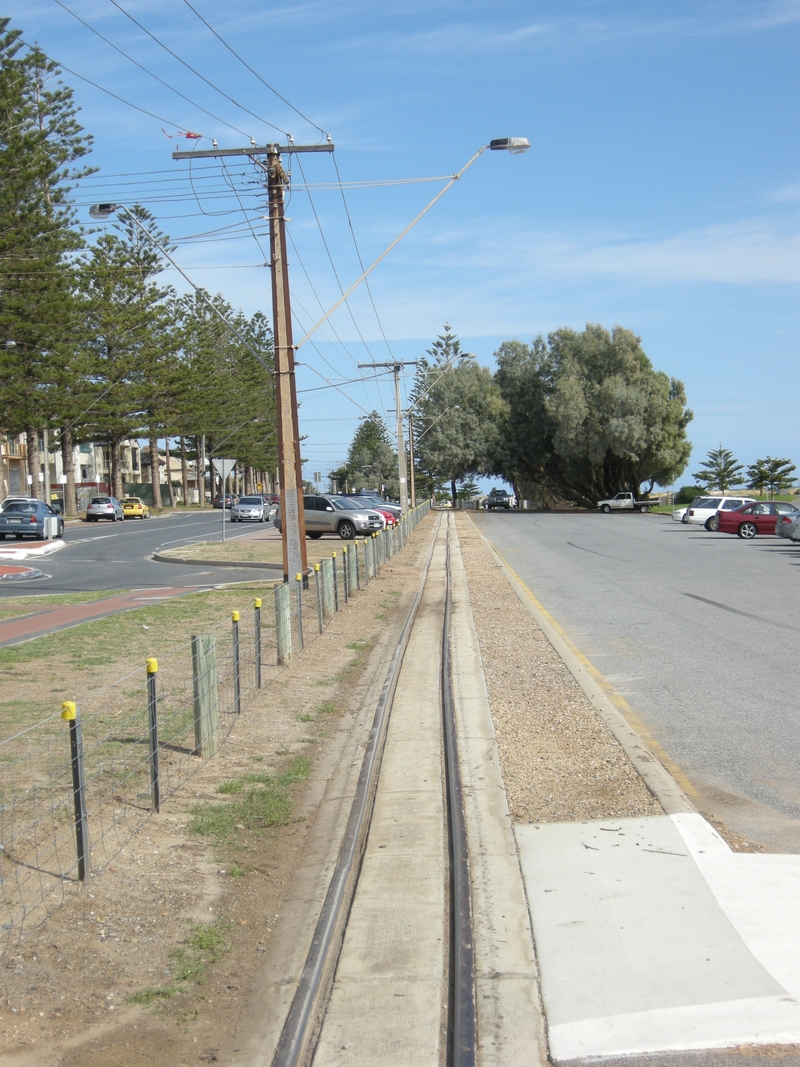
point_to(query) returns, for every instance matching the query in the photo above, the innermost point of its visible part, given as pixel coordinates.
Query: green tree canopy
(457, 414)
(772, 474)
(371, 460)
(588, 417)
(720, 470)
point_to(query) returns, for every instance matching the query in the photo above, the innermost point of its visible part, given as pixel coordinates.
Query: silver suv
(336, 514)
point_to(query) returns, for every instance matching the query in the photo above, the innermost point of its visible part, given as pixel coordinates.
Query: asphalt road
(107, 555)
(698, 631)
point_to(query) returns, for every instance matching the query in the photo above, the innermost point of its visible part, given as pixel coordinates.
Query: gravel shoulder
(560, 761)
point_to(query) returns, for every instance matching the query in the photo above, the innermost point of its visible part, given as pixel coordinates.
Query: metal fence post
(283, 624)
(204, 693)
(335, 584)
(152, 714)
(299, 579)
(237, 680)
(257, 639)
(326, 581)
(366, 562)
(345, 574)
(70, 712)
(319, 595)
(355, 567)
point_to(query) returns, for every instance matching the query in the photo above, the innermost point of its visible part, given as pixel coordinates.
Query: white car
(250, 509)
(703, 512)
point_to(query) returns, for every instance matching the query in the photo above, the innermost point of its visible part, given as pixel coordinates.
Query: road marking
(746, 614)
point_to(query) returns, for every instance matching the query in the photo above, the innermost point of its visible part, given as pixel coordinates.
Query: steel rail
(461, 1023)
(300, 1030)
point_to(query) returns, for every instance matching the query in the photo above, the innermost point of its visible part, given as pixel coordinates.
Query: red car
(752, 519)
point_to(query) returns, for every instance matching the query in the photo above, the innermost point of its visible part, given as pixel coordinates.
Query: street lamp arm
(385, 253)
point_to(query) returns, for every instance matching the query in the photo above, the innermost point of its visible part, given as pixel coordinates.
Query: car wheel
(2, 537)
(114, 517)
(606, 509)
(747, 530)
(18, 537)
(644, 509)
(685, 521)
(346, 531)
(712, 523)
(316, 535)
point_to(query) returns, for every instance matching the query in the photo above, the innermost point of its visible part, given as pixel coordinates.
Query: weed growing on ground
(360, 646)
(263, 800)
(305, 717)
(204, 945)
(327, 707)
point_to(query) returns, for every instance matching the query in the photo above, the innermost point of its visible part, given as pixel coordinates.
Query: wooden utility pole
(293, 527)
(395, 368)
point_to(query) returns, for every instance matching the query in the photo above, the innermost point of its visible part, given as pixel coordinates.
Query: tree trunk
(155, 470)
(32, 442)
(453, 490)
(68, 466)
(117, 488)
(184, 472)
(170, 490)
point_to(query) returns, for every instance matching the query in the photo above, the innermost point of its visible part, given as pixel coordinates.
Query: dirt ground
(150, 962)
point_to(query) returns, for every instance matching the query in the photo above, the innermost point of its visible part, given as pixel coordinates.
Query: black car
(229, 501)
(498, 498)
(26, 518)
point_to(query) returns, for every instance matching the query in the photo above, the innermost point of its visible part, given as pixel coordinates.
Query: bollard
(319, 596)
(72, 715)
(237, 678)
(257, 638)
(204, 695)
(335, 584)
(283, 624)
(299, 579)
(152, 713)
(345, 575)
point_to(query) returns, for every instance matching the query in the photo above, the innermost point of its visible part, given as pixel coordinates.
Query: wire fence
(76, 786)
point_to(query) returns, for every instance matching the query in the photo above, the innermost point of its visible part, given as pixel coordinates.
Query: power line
(197, 73)
(150, 72)
(254, 72)
(108, 92)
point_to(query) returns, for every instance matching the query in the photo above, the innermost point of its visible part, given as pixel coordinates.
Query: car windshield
(252, 501)
(344, 503)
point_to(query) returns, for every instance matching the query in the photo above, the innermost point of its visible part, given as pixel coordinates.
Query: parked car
(249, 509)
(16, 499)
(390, 511)
(703, 512)
(498, 498)
(230, 500)
(134, 508)
(753, 519)
(625, 502)
(26, 518)
(104, 507)
(336, 514)
(788, 525)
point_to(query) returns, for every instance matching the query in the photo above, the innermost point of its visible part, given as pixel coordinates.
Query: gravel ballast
(560, 762)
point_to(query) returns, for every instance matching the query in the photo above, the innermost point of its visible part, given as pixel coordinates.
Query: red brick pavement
(40, 623)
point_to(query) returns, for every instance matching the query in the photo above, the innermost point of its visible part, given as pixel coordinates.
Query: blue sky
(661, 192)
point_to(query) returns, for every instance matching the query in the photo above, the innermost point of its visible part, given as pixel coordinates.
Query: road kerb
(662, 777)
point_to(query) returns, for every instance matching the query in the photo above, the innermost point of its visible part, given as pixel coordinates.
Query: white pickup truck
(624, 502)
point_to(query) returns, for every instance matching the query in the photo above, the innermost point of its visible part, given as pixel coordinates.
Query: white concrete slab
(759, 893)
(635, 952)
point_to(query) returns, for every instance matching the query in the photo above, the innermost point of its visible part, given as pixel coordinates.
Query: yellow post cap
(152, 665)
(69, 710)
(334, 554)
(344, 551)
(316, 566)
(235, 616)
(298, 577)
(257, 602)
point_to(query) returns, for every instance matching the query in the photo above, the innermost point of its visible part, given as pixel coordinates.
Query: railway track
(393, 974)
